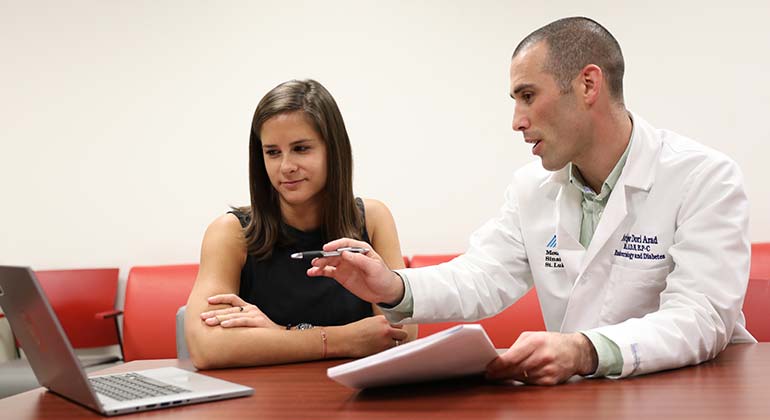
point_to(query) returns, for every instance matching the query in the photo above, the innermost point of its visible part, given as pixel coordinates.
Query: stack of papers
(458, 351)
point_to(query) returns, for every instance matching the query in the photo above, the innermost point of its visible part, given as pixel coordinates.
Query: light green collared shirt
(593, 204)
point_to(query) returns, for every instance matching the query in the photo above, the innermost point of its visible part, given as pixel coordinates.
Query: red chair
(153, 295)
(79, 297)
(757, 302)
(504, 328)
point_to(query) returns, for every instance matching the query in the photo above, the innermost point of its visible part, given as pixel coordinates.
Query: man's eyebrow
(521, 87)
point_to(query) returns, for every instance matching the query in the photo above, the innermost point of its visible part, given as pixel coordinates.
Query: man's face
(549, 120)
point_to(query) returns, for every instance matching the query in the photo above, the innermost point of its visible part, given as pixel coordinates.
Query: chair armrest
(181, 343)
(108, 314)
(114, 314)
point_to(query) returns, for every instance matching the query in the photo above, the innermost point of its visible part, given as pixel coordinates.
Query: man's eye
(527, 97)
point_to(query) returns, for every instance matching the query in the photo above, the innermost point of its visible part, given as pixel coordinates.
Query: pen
(318, 254)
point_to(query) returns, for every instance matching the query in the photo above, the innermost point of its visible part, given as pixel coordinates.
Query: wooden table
(736, 385)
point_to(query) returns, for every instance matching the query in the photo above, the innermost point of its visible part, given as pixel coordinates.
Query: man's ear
(591, 83)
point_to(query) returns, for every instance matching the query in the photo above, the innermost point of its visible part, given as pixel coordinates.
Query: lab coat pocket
(632, 293)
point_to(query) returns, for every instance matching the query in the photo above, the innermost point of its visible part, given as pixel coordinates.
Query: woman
(254, 305)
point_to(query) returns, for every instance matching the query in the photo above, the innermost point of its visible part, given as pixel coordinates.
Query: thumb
(398, 334)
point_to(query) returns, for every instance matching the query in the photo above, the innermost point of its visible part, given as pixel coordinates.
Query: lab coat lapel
(634, 182)
(568, 230)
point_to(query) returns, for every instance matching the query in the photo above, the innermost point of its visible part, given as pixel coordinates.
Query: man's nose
(520, 122)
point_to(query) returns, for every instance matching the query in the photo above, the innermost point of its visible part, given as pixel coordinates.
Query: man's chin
(552, 166)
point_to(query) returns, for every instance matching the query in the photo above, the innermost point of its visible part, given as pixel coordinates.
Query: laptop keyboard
(133, 386)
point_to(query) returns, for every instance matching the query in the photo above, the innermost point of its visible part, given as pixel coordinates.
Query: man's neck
(611, 141)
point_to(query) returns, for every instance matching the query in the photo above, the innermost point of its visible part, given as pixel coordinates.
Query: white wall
(124, 125)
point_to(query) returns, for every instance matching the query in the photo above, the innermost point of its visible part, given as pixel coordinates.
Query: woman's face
(295, 158)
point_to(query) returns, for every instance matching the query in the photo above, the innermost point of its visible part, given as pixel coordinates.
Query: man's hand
(364, 275)
(545, 358)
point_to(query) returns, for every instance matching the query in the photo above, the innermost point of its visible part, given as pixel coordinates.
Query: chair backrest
(757, 302)
(760, 261)
(153, 295)
(424, 260)
(77, 296)
(504, 328)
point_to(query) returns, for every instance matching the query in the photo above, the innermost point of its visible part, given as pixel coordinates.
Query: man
(635, 238)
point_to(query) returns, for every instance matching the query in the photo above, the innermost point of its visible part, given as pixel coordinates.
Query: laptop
(53, 360)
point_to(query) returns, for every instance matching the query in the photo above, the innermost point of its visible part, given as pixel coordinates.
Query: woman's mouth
(291, 184)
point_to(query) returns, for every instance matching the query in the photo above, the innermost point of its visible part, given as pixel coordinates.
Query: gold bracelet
(323, 338)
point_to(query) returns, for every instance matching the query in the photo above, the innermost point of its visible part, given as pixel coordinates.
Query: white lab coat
(664, 276)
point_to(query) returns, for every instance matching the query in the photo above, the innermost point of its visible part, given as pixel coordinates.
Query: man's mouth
(533, 142)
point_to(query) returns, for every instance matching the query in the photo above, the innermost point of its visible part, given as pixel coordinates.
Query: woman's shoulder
(228, 221)
(242, 214)
(224, 239)
(383, 233)
(375, 208)
(377, 215)
(226, 228)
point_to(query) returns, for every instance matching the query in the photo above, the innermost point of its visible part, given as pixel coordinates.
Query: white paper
(458, 351)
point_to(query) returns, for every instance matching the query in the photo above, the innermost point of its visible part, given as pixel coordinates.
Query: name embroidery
(639, 247)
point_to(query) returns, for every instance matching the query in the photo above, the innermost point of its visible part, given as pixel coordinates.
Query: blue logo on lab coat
(552, 257)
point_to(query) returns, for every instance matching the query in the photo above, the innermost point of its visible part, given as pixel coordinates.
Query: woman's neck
(305, 217)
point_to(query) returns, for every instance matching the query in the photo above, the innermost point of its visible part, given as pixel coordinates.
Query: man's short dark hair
(574, 43)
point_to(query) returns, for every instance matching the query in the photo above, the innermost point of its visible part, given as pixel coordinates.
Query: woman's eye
(301, 149)
(272, 152)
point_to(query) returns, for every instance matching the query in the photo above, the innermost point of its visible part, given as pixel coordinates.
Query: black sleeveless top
(280, 287)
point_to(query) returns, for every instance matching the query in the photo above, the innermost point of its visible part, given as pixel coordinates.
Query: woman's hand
(371, 335)
(240, 314)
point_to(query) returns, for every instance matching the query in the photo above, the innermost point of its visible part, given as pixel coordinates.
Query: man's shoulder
(678, 151)
(678, 147)
(693, 163)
